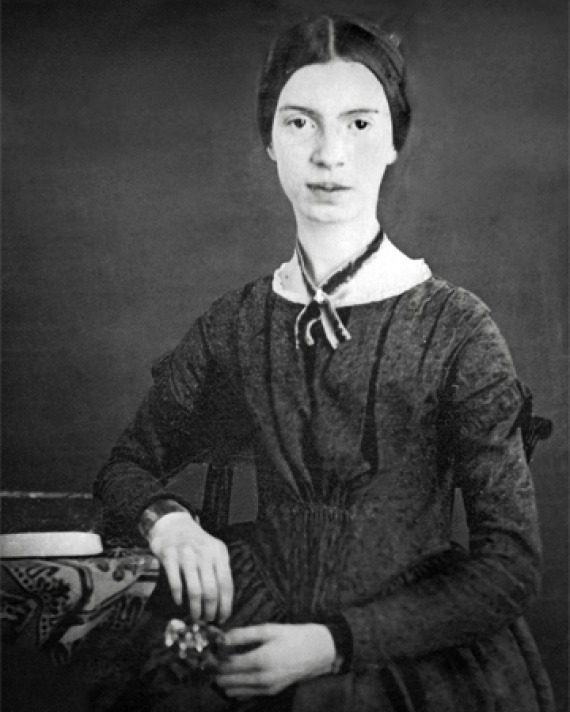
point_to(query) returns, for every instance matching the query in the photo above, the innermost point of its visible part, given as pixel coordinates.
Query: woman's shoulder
(215, 330)
(222, 318)
(440, 292)
(437, 298)
(230, 303)
(462, 324)
(444, 314)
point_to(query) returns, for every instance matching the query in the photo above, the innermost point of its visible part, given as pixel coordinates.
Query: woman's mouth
(327, 187)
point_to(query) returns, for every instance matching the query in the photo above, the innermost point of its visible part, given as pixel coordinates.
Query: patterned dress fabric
(358, 451)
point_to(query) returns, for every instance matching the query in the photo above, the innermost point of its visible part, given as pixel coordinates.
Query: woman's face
(332, 141)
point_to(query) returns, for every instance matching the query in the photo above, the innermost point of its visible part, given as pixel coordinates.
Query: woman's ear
(271, 152)
(392, 156)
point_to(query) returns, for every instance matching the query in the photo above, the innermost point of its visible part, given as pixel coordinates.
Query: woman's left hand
(285, 655)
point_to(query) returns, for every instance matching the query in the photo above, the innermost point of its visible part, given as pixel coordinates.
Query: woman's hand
(193, 558)
(285, 654)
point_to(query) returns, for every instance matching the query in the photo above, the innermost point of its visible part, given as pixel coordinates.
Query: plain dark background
(136, 190)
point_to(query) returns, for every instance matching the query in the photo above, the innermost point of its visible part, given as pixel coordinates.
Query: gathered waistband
(322, 511)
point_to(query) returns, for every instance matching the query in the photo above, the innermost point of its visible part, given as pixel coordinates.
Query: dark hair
(330, 37)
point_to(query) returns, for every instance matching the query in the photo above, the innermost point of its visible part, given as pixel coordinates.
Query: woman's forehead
(337, 85)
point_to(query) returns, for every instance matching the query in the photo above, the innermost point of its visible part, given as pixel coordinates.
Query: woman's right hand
(193, 558)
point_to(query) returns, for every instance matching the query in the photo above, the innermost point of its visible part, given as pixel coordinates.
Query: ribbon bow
(322, 305)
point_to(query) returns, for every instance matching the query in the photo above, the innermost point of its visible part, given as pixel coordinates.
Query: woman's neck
(327, 246)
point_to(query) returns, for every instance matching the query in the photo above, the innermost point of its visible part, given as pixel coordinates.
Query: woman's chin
(328, 214)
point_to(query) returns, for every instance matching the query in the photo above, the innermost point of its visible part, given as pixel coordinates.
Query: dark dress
(358, 452)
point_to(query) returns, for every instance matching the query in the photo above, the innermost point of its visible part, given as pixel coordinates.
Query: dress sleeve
(476, 593)
(187, 416)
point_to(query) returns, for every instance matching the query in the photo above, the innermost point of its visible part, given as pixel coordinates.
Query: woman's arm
(489, 588)
(168, 432)
(188, 413)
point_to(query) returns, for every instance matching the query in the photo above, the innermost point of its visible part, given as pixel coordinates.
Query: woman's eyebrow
(301, 109)
(315, 114)
(360, 111)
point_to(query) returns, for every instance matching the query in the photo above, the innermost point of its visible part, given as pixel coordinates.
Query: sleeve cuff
(157, 509)
(342, 637)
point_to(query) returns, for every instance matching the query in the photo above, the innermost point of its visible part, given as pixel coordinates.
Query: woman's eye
(299, 122)
(361, 124)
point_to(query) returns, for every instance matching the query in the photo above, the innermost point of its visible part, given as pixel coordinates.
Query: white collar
(387, 273)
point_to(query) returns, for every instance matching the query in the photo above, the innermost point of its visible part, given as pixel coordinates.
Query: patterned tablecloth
(52, 604)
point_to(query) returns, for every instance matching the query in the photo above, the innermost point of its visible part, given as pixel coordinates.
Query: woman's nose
(329, 150)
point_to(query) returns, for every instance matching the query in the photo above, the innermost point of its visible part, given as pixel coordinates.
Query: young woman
(368, 389)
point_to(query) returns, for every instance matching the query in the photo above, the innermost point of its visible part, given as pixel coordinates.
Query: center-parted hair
(331, 37)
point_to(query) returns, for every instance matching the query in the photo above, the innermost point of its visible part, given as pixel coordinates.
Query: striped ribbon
(322, 305)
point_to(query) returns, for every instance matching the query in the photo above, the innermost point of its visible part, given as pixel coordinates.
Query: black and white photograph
(284, 356)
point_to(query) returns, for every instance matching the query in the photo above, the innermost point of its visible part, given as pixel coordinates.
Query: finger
(249, 635)
(244, 693)
(251, 680)
(225, 583)
(193, 589)
(250, 662)
(209, 586)
(172, 571)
